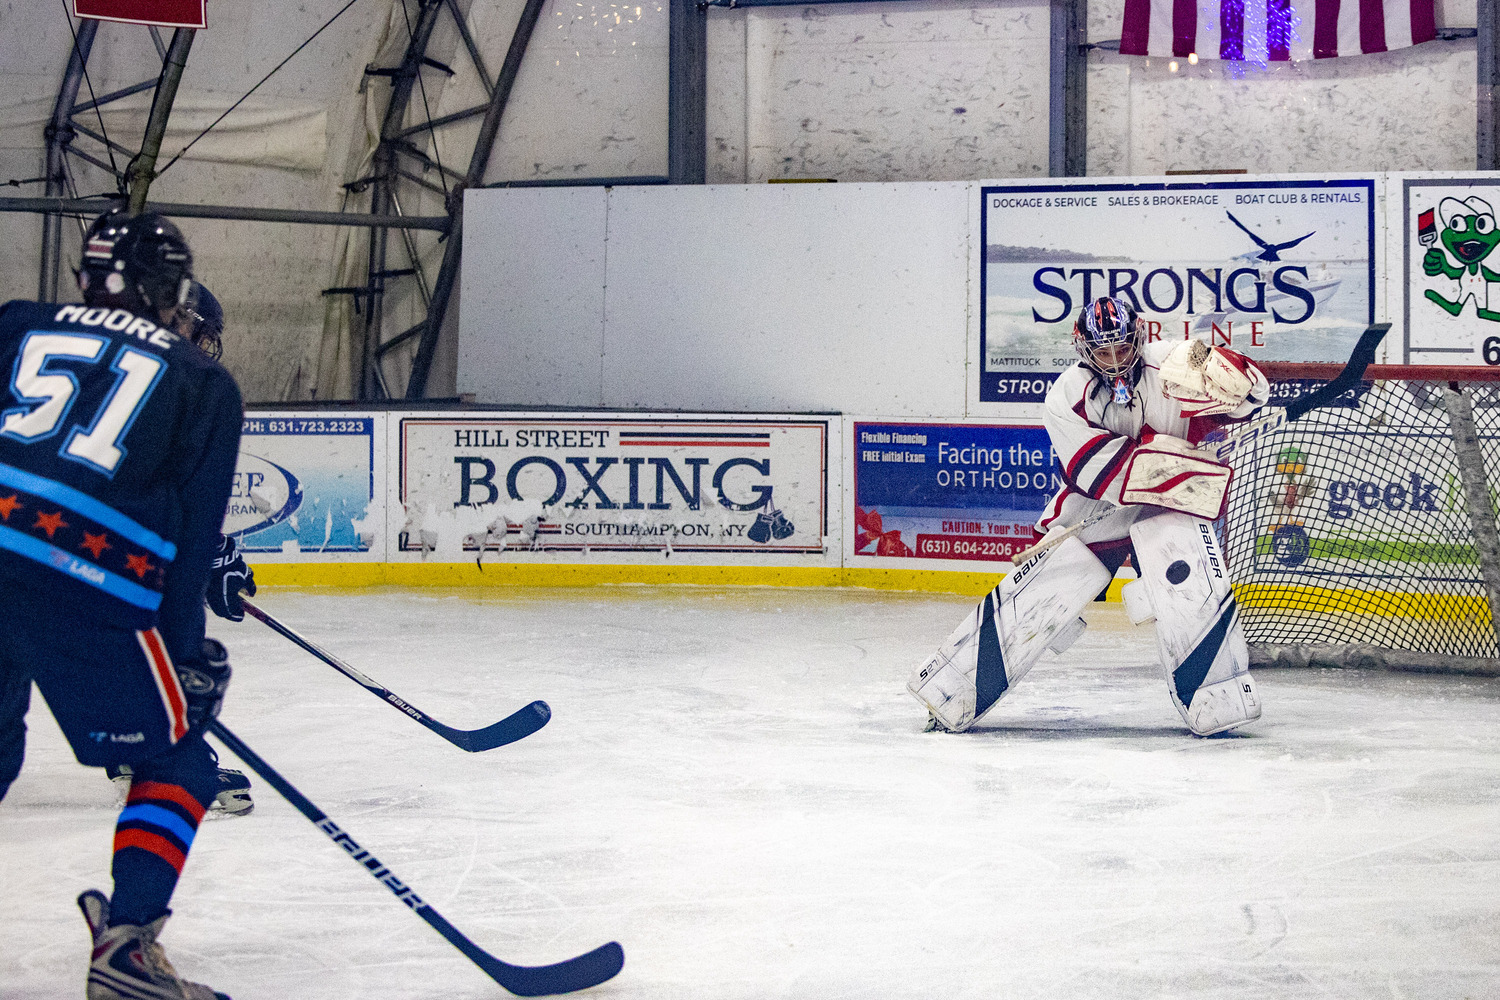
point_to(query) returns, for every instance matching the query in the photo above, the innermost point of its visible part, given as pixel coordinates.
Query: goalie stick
(1223, 442)
(516, 726)
(578, 973)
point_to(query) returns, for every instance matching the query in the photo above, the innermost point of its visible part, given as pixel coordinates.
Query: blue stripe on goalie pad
(989, 674)
(1188, 677)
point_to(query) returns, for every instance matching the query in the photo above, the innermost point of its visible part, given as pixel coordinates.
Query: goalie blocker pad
(1033, 609)
(1184, 585)
(1168, 472)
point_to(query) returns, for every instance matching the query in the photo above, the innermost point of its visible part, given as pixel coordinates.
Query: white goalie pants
(1183, 587)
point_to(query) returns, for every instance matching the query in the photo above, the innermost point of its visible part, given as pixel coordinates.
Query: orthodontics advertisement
(1277, 270)
(950, 491)
(479, 486)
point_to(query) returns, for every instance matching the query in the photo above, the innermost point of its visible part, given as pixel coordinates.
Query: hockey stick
(578, 973)
(516, 726)
(1237, 436)
(1224, 442)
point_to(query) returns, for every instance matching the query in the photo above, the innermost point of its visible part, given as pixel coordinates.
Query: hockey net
(1363, 534)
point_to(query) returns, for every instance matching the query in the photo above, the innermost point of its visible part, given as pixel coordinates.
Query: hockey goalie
(1124, 422)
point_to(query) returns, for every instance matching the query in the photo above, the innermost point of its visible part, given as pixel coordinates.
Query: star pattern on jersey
(139, 565)
(95, 543)
(82, 537)
(50, 523)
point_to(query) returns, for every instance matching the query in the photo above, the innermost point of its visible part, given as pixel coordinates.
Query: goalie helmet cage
(1364, 534)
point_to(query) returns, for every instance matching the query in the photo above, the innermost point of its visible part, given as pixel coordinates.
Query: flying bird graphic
(1269, 252)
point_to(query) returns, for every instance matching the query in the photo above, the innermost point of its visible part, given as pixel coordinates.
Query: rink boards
(487, 496)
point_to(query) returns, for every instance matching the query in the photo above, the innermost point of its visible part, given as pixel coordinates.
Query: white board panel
(532, 301)
(788, 298)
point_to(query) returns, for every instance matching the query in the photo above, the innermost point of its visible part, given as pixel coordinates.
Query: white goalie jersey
(1132, 472)
(1096, 438)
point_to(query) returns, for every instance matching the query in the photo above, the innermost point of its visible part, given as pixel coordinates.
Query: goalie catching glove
(1206, 380)
(1168, 472)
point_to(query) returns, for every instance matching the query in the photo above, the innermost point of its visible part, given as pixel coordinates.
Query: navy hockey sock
(156, 829)
(152, 839)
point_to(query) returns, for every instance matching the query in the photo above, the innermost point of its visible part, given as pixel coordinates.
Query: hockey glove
(230, 575)
(204, 682)
(1206, 380)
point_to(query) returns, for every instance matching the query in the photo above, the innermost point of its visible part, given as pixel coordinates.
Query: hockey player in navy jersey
(1124, 422)
(200, 320)
(118, 442)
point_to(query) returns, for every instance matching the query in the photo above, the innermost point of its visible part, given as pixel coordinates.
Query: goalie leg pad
(1185, 585)
(1034, 608)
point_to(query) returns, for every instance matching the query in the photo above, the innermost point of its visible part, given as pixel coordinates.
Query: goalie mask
(1107, 338)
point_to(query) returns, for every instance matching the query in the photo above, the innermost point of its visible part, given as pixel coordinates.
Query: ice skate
(129, 963)
(234, 789)
(122, 776)
(234, 792)
(935, 725)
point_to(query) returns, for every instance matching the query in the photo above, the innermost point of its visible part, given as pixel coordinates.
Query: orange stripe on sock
(142, 791)
(157, 845)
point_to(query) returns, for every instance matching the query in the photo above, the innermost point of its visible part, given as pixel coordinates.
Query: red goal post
(1364, 533)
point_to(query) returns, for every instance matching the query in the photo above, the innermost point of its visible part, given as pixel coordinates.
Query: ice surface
(736, 787)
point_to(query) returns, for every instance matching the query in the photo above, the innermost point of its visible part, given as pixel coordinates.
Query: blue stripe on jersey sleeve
(89, 507)
(78, 569)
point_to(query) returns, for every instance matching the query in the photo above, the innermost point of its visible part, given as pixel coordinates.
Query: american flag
(1273, 30)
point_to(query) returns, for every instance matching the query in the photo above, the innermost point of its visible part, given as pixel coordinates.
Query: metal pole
(687, 87)
(142, 169)
(59, 135)
(384, 179)
(1488, 93)
(489, 129)
(95, 206)
(1476, 496)
(1067, 138)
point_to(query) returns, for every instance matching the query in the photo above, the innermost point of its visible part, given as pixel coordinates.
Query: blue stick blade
(599, 965)
(516, 726)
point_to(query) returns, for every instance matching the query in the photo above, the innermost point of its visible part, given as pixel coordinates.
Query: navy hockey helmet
(141, 263)
(201, 320)
(1107, 337)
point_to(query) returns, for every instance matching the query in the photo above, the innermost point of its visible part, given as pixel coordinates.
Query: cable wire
(84, 64)
(426, 108)
(253, 89)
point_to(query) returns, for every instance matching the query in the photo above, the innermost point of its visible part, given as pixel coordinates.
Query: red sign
(163, 13)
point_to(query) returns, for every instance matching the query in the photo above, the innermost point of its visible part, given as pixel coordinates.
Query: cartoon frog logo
(1469, 234)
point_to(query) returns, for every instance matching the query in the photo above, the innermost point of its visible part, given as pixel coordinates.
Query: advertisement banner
(950, 491)
(1448, 241)
(1374, 493)
(306, 484)
(607, 483)
(1277, 270)
(162, 13)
